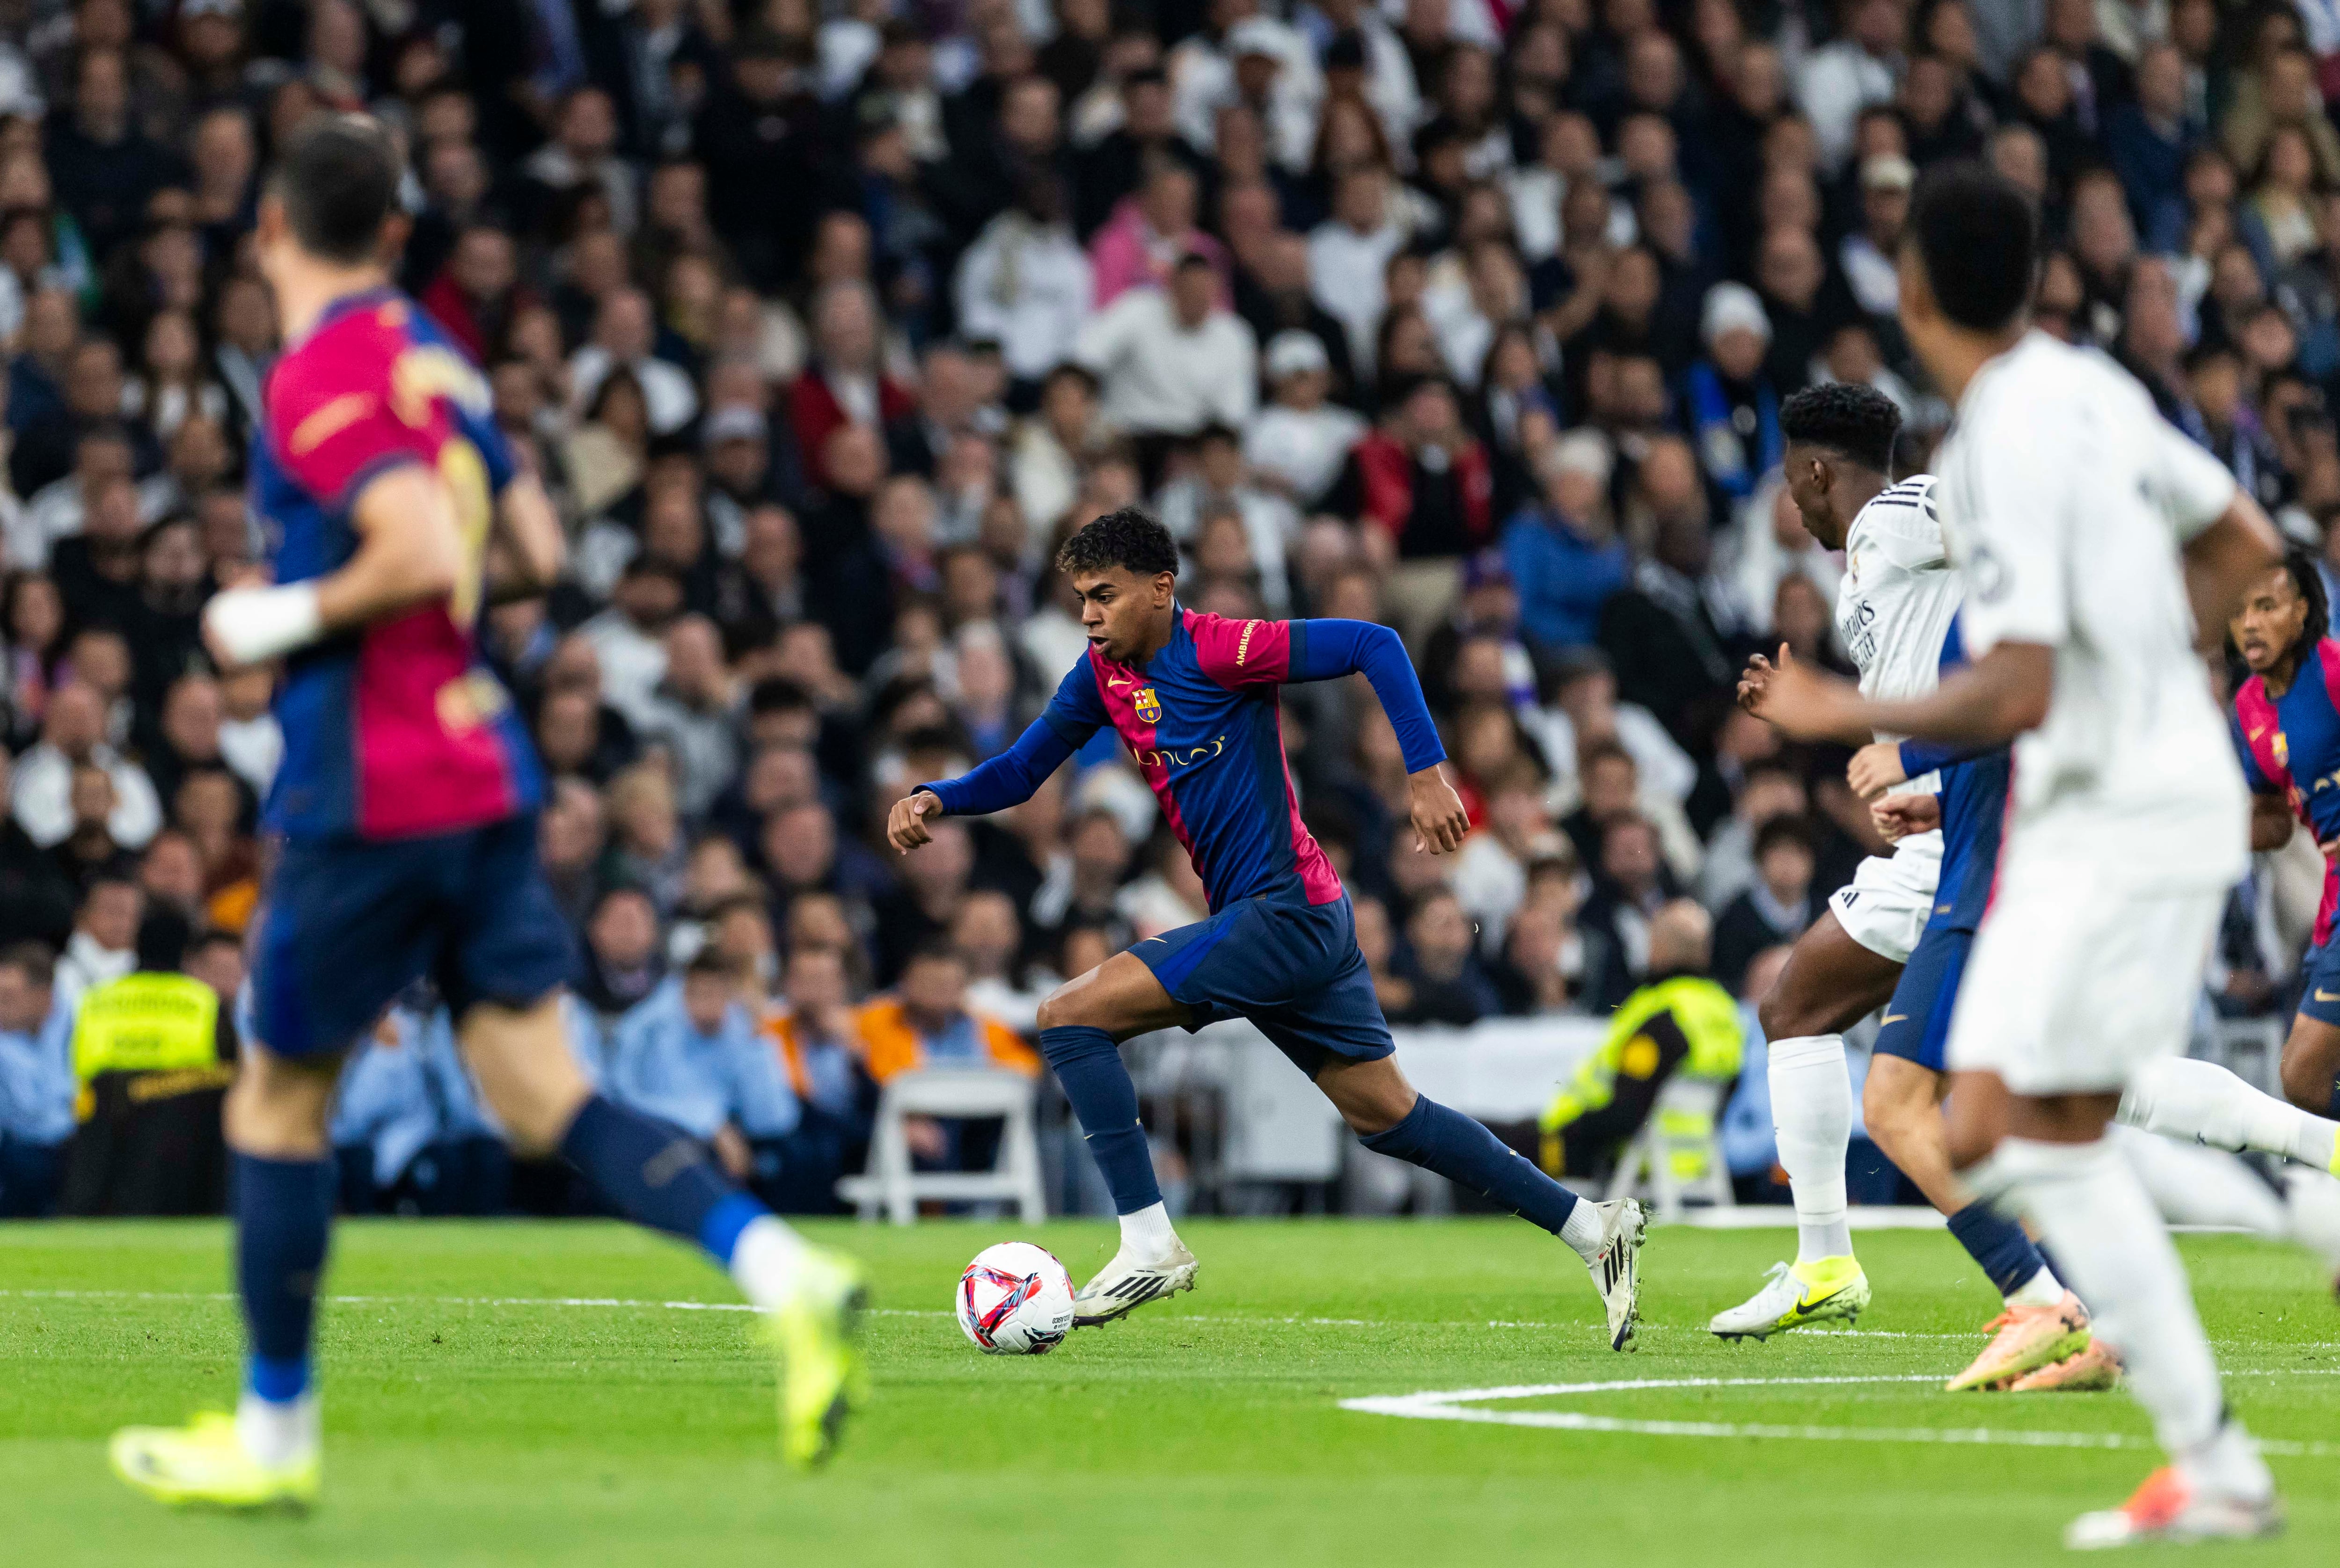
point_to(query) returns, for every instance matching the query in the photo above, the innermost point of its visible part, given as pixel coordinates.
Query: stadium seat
(1676, 1159)
(892, 1185)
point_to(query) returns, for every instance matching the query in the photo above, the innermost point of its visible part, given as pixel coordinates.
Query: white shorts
(1890, 898)
(2073, 984)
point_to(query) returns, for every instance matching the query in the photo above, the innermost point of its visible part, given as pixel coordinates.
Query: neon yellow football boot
(815, 1333)
(205, 1463)
(1796, 1296)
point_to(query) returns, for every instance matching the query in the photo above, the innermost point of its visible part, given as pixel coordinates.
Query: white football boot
(2169, 1508)
(1616, 1268)
(1128, 1282)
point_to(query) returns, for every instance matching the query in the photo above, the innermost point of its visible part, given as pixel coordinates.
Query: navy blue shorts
(1292, 968)
(1917, 1022)
(349, 924)
(2319, 990)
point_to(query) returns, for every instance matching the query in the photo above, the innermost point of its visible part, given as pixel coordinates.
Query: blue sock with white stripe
(1466, 1154)
(1089, 1065)
(1998, 1244)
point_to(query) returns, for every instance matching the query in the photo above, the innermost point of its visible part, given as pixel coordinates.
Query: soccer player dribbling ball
(1194, 698)
(406, 807)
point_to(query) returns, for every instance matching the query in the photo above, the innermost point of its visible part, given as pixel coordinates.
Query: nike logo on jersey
(1116, 685)
(2324, 996)
(1893, 1018)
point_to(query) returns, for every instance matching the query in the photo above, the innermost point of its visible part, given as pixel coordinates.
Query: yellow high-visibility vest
(144, 1023)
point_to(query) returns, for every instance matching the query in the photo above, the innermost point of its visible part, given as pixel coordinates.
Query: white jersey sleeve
(2016, 504)
(2196, 488)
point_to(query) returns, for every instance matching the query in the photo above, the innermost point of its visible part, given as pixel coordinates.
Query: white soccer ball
(1015, 1299)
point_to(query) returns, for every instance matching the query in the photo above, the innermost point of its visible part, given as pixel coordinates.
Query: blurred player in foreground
(2092, 539)
(1194, 698)
(406, 805)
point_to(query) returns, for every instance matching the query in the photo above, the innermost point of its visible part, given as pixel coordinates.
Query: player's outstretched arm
(1007, 779)
(1987, 704)
(409, 551)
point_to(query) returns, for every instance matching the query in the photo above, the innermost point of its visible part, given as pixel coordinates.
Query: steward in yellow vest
(1677, 1022)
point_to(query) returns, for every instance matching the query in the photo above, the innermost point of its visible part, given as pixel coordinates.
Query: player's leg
(2042, 1324)
(1082, 1025)
(343, 931)
(507, 950)
(1830, 981)
(1391, 1118)
(2069, 988)
(2311, 1060)
(2202, 1102)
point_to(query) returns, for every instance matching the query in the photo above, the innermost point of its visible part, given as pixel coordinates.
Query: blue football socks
(284, 1219)
(658, 1176)
(1998, 1244)
(1468, 1155)
(1089, 1065)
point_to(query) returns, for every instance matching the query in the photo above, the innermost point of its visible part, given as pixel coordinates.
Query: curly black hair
(1128, 538)
(1848, 417)
(2307, 581)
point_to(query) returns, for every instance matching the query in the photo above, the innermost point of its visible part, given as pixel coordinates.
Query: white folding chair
(1677, 1156)
(950, 1092)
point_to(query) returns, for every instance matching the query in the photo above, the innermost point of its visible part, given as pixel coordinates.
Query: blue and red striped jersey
(1201, 718)
(2290, 746)
(397, 729)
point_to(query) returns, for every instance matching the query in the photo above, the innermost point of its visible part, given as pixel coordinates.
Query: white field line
(1467, 1405)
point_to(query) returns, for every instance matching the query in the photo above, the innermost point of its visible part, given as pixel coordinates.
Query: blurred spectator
(36, 1083)
(688, 1054)
(1773, 910)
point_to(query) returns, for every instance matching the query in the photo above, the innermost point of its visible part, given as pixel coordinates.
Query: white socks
(767, 1260)
(1146, 1233)
(2042, 1289)
(278, 1434)
(2201, 1102)
(2093, 1212)
(1582, 1229)
(1812, 1116)
(2194, 1185)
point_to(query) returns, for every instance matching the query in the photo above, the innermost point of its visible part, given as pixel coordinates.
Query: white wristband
(253, 625)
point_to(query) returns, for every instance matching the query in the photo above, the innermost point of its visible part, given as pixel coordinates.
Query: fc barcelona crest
(1149, 707)
(2282, 743)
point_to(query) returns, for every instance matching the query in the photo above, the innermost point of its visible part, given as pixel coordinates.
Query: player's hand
(1876, 767)
(732, 1153)
(1440, 823)
(905, 827)
(1804, 703)
(1898, 816)
(2331, 847)
(1751, 684)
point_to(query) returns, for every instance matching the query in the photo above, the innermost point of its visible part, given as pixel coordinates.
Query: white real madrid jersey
(1898, 597)
(2066, 499)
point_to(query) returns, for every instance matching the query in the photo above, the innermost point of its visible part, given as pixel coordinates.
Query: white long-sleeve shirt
(1161, 377)
(1026, 287)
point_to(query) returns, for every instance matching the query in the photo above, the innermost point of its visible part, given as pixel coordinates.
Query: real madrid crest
(1149, 707)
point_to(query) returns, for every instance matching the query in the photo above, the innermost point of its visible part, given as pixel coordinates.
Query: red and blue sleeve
(1073, 715)
(333, 421)
(2252, 773)
(1328, 649)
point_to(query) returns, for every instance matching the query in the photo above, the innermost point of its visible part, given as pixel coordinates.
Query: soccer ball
(1015, 1299)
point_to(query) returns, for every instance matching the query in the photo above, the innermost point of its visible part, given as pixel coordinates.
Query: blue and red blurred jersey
(1200, 718)
(2290, 746)
(398, 728)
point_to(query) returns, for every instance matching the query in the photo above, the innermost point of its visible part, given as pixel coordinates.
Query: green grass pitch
(471, 1421)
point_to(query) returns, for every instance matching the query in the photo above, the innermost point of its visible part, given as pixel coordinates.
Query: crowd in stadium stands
(824, 327)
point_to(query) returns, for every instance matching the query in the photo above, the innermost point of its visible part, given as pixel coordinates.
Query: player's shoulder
(1907, 510)
(383, 350)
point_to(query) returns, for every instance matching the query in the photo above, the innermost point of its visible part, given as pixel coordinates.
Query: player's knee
(2307, 1081)
(1066, 1007)
(1783, 1015)
(276, 1110)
